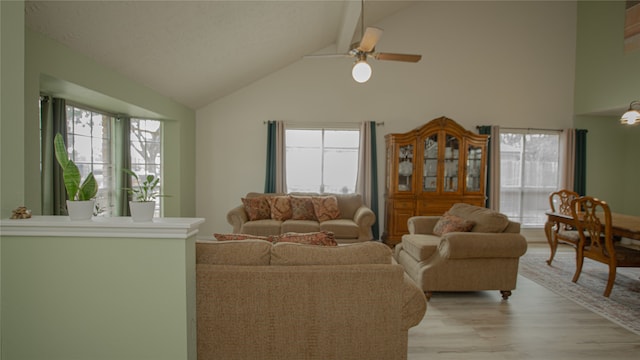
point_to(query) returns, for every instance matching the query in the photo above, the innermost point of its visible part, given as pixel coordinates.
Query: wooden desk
(622, 225)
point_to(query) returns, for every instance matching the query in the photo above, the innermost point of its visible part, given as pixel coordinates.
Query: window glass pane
(304, 170)
(81, 150)
(339, 170)
(529, 171)
(342, 138)
(146, 136)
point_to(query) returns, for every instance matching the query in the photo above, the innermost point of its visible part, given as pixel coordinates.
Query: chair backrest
(561, 200)
(593, 220)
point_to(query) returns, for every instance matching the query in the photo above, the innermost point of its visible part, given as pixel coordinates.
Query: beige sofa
(257, 300)
(485, 257)
(353, 223)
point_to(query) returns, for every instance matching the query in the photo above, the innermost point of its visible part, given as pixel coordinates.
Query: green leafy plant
(147, 189)
(77, 190)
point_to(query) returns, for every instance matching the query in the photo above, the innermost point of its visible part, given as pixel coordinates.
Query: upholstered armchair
(470, 248)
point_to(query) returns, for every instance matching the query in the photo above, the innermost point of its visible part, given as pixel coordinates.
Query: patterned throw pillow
(280, 207)
(302, 208)
(322, 238)
(227, 237)
(257, 208)
(325, 207)
(451, 223)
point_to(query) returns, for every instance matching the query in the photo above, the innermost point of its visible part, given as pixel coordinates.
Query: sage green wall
(607, 81)
(12, 187)
(82, 297)
(606, 77)
(612, 170)
(50, 60)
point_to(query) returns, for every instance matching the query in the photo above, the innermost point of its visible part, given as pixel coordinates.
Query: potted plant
(144, 196)
(81, 193)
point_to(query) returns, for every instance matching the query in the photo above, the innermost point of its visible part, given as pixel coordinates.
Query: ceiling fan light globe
(630, 117)
(361, 71)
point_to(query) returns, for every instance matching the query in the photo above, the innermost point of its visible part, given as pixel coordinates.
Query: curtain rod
(378, 123)
(514, 128)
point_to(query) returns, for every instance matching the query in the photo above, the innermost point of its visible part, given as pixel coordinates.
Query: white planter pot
(80, 210)
(142, 211)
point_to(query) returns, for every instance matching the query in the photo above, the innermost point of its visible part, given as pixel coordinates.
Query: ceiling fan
(365, 48)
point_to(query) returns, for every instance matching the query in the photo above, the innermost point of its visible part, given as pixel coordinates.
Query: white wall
(484, 63)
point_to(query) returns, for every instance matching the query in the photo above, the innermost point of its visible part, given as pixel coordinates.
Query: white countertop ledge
(109, 227)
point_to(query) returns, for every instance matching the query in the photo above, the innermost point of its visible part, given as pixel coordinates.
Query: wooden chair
(560, 202)
(593, 218)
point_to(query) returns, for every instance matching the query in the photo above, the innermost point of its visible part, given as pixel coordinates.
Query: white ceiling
(198, 51)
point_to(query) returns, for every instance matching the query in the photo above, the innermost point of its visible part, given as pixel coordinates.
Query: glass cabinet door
(405, 168)
(473, 171)
(451, 160)
(430, 166)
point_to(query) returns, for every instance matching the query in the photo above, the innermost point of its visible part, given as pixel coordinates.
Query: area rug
(623, 305)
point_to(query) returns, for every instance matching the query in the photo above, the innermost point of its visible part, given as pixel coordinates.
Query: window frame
(352, 127)
(523, 188)
(110, 192)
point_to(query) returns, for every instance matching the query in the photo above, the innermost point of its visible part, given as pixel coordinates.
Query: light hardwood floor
(534, 323)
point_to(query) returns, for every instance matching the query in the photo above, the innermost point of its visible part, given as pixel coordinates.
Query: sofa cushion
(261, 227)
(325, 207)
(420, 246)
(486, 220)
(280, 207)
(229, 237)
(342, 228)
(451, 223)
(239, 252)
(257, 208)
(322, 238)
(302, 208)
(300, 226)
(361, 253)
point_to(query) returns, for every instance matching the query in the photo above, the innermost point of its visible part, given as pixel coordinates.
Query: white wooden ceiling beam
(349, 26)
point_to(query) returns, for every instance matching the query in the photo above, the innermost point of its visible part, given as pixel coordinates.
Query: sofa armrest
(236, 217)
(414, 303)
(422, 224)
(458, 245)
(364, 218)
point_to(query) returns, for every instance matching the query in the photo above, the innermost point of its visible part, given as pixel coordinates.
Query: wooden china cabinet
(428, 170)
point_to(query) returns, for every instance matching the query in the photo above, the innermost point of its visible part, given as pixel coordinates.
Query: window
(146, 149)
(322, 160)
(529, 171)
(91, 139)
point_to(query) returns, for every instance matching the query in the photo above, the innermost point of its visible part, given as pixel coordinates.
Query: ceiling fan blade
(326, 56)
(369, 39)
(397, 57)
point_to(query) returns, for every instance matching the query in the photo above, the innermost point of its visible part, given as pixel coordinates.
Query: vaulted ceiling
(198, 51)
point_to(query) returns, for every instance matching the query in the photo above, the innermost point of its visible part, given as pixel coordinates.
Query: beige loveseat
(257, 300)
(485, 257)
(352, 220)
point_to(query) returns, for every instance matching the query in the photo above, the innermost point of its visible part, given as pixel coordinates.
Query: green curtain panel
(374, 180)
(486, 130)
(580, 169)
(53, 118)
(122, 160)
(270, 177)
